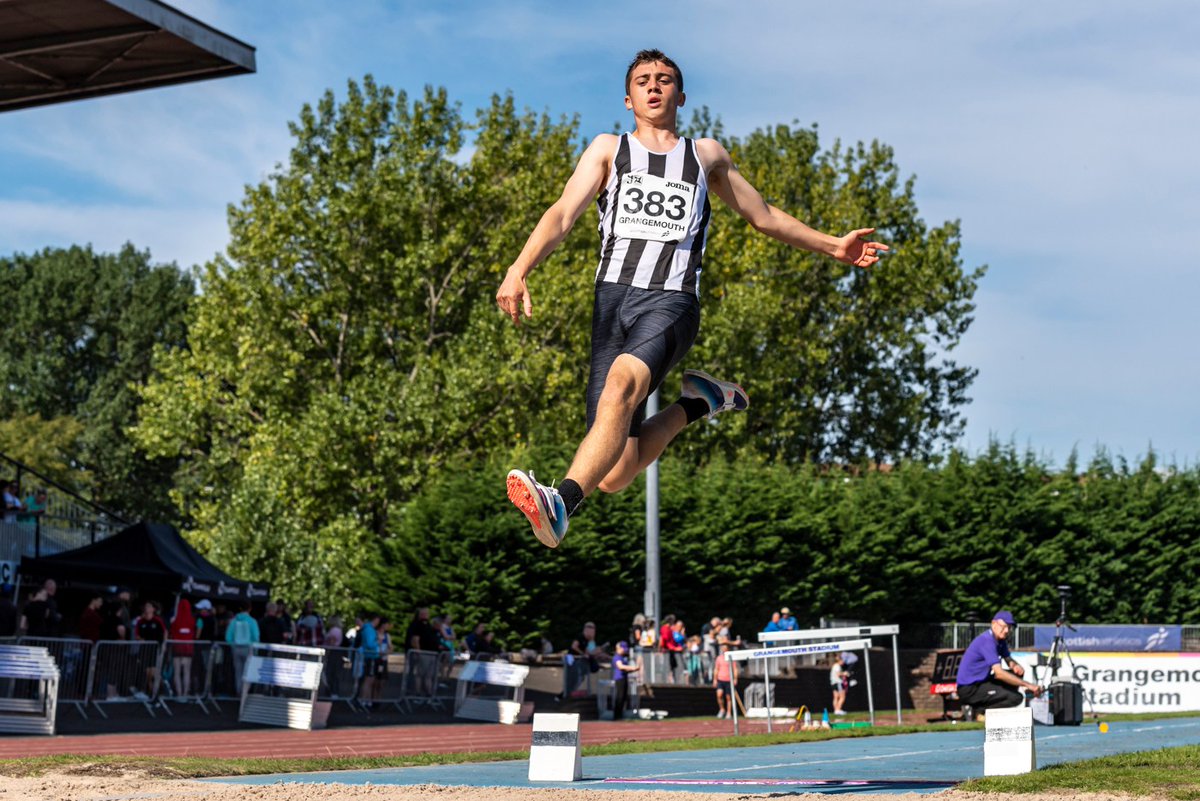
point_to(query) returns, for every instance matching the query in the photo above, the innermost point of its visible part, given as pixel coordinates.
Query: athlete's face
(653, 91)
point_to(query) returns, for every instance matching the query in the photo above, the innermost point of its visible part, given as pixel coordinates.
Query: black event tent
(145, 556)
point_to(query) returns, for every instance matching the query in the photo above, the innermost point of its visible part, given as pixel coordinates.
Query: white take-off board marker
(555, 754)
(1008, 742)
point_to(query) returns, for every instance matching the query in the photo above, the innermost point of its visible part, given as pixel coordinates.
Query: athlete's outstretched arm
(590, 174)
(739, 195)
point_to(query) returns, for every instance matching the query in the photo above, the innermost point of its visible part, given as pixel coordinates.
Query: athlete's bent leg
(627, 385)
(657, 432)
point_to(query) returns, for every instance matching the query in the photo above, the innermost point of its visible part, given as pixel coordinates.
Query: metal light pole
(653, 599)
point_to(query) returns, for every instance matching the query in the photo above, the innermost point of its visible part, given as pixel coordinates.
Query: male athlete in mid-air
(651, 188)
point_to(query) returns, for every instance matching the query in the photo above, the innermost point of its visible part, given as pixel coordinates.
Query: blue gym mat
(923, 763)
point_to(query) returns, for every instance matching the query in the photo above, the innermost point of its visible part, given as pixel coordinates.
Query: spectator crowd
(193, 626)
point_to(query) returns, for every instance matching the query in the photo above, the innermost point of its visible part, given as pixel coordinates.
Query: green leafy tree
(79, 330)
(348, 346)
(346, 352)
(845, 364)
(914, 545)
(49, 444)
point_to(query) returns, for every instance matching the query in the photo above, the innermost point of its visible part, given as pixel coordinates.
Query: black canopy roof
(57, 50)
(145, 556)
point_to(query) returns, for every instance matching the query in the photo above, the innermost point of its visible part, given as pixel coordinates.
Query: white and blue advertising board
(1132, 682)
(1091, 637)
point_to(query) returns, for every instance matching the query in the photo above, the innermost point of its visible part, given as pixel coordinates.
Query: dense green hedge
(912, 545)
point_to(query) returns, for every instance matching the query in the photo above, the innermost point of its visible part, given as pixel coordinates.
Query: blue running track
(925, 762)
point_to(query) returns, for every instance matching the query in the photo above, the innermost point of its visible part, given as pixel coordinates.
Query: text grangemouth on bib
(653, 208)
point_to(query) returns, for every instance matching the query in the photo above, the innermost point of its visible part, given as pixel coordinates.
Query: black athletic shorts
(656, 326)
(990, 694)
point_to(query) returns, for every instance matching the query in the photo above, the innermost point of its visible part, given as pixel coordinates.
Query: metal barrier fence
(343, 671)
(73, 657)
(126, 671)
(422, 679)
(687, 668)
(578, 676)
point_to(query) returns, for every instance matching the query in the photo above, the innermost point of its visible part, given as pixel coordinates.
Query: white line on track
(897, 755)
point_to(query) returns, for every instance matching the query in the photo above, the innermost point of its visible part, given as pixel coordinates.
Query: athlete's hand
(853, 248)
(513, 297)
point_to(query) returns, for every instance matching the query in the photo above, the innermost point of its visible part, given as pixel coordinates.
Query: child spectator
(622, 667)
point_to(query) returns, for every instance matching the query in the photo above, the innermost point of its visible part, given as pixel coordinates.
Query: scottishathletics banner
(1087, 637)
(1133, 682)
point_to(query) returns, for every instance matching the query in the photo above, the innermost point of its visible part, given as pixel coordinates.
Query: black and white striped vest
(654, 214)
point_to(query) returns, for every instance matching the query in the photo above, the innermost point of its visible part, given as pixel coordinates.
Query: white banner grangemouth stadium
(1132, 682)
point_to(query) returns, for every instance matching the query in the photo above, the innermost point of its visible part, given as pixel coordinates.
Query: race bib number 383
(649, 207)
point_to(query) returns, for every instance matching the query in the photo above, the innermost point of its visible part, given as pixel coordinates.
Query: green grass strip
(1166, 773)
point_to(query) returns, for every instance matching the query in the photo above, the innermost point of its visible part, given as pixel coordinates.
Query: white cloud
(185, 235)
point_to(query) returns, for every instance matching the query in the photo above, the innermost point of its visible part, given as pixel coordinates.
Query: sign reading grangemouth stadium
(1133, 682)
(1113, 638)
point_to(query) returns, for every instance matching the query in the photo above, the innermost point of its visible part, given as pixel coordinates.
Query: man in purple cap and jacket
(983, 682)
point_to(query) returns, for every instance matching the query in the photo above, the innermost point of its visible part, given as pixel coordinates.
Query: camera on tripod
(1064, 699)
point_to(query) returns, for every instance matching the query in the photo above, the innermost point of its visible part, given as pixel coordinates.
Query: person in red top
(91, 621)
(182, 634)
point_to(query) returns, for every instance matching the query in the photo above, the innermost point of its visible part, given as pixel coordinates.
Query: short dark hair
(649, 57)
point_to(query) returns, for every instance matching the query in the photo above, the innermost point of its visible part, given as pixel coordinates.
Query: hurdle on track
(767, 654)
(869, 632)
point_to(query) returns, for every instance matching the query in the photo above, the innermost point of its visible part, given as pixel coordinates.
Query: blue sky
(1062, 137)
